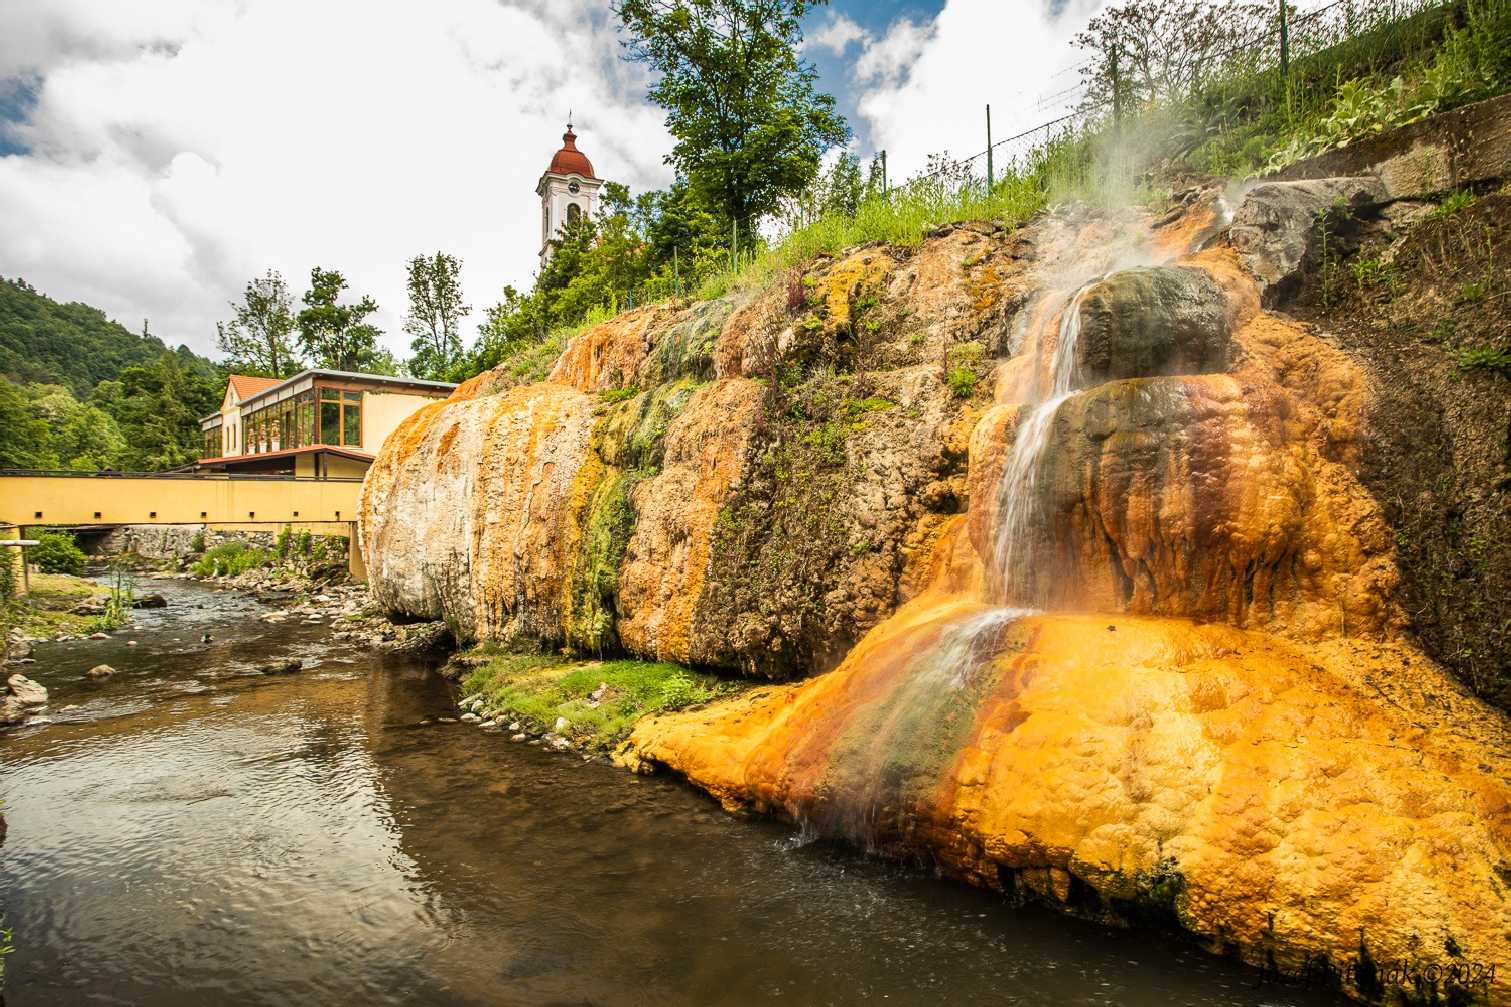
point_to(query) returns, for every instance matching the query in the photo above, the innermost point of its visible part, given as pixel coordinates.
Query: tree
(24, 439)
(82, 436)
(1161, 48)
(750, 126)
(335, 335)
(157, 408)
(259, 339)
(435, 314)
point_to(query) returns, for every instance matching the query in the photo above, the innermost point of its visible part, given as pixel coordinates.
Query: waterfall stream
(1017, 493)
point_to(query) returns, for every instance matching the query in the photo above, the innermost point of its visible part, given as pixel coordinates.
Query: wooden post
(1117, 86)
(989, 179)
(356, 567)
(1285, 45)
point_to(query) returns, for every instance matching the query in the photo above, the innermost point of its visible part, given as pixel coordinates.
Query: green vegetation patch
(56, 552)
(628, 440)
(601, 700)
(230, 559)
(49, 610)
(687, 348)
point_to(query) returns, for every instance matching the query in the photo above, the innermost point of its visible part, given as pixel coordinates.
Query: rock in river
(26, 692)
(150, 601)
(283, 666)
(100, 671)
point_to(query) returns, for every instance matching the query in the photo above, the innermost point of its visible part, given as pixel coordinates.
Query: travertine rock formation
(1078, 525)
(653, 496)
(1286, 778)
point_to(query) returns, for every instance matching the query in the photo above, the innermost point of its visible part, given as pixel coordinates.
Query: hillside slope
(75, 345)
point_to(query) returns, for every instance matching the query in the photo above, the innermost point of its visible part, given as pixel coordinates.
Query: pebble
(515, 726)
(490, 723)
(470, 718)
(517, 737)
(131, 643)
(99, 636)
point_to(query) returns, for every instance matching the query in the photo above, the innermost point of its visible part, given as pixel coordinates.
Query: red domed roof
(569, 160)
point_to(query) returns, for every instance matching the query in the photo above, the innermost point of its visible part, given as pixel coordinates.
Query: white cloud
(176, 149)
(837, 34)
(924, 87)
(885, 61)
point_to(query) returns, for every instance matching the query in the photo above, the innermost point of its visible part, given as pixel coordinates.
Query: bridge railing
(196, 476)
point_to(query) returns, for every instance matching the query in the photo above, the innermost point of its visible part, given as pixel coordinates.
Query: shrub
(281, 543)
(7, 576)
(962, 381)
(57, 552)
(230, 559)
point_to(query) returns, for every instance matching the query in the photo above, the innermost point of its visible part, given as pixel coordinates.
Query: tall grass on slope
(1060, 168)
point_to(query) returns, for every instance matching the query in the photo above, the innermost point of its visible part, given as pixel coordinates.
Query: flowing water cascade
(1168, 724)
(1017, 496)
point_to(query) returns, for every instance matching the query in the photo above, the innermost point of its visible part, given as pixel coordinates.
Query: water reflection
(192, 833)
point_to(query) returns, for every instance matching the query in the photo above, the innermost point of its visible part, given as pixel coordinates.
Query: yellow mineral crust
(667, 559)
(606, 356)
(1302, 806)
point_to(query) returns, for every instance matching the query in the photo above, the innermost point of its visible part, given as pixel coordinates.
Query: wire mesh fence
(1287, 56)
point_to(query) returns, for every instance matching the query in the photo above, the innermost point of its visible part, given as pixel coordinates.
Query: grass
(230, 559)
(48, 610)
(903, 217)
(537, 689)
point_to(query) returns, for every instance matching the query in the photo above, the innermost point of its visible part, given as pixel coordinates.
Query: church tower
(567, 190)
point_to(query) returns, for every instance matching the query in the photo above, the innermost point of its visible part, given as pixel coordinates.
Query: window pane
(330, 423)
(329, 395)
(353, 398)
(353, 426)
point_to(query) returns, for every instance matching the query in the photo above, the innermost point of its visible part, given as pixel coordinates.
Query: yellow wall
(76, 500)
(382, 412)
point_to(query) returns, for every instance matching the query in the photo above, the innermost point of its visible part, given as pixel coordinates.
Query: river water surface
(195, 833)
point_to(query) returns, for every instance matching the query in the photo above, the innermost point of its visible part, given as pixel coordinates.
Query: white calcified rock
(470, 718)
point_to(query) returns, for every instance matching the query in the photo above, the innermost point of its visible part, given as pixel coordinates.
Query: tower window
(574, 213)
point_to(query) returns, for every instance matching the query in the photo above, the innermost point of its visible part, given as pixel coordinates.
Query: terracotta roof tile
(246, 386)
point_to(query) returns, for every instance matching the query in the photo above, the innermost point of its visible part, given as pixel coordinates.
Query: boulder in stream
(150, 601)
(100, 671)
(27, 692)
(282, 666)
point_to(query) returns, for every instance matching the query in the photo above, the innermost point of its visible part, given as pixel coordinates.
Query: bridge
(105, 500)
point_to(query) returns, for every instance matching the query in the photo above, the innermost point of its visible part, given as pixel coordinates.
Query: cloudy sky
(155, 156)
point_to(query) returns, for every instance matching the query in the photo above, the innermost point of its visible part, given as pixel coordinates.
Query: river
(192, 832)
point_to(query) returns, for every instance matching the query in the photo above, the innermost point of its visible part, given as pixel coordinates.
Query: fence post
(989, 179)
(1117, 85)
(1285, 44)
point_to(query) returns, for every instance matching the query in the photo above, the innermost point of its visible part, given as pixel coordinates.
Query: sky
(156, 156)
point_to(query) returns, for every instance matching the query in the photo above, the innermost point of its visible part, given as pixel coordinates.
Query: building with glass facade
(318, 424)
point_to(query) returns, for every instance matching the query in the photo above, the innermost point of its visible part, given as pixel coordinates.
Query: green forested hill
(79, 391)
(75, 345)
